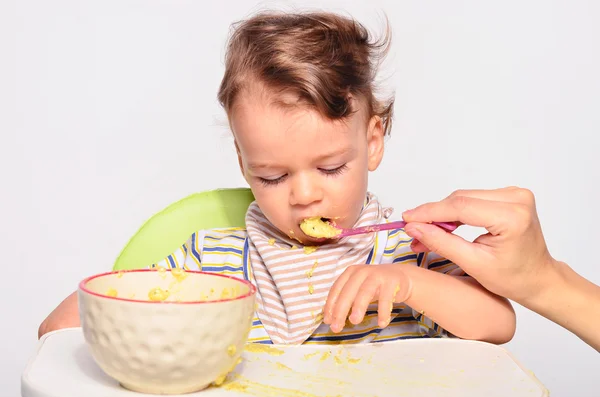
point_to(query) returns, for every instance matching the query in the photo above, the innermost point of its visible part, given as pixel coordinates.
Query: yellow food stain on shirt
(231, 350)
(311, 288)
(112, 292)
(260, 348)
(309, 249)
(353, 360)
(338, 360)
(316, 227)
(310, 273)
(158, 294)
(325, 356)
(310, 355)
(319, 318)
(271, 241)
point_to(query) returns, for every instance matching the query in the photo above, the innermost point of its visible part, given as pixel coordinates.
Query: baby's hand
(360, 285)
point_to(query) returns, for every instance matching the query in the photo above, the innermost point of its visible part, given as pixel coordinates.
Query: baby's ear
(375, 142)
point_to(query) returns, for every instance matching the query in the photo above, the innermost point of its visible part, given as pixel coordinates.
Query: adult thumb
(445, 244)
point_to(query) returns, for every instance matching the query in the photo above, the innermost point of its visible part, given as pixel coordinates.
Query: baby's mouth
(319, 227)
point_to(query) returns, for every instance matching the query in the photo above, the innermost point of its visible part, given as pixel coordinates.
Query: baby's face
(300, 164)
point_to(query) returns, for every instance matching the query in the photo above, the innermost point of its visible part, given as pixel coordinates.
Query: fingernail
(413, 231)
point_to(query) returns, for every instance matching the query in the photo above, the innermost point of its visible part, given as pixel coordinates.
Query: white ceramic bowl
(176, 346)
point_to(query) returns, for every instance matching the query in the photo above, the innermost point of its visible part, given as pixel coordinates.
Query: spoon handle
(450, 227)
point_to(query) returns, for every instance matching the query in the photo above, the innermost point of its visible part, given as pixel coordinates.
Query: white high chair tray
(63, 367)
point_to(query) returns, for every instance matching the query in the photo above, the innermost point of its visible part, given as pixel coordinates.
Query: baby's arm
(66, 314)
(438, 289)
(460, 305)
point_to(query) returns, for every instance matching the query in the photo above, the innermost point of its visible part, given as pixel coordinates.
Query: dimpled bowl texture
(180, 345)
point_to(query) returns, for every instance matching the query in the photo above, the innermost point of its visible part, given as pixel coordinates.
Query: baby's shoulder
(237, 233)
(232, 237)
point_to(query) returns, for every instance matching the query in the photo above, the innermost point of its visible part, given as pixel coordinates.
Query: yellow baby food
(179, 274)
(260, 348)
(158, 294)
(112, 292)
(231, 350)
(309, 250)
(310, 272)
(316, 227)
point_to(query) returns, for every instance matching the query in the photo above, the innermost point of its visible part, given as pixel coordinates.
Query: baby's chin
(313, 241)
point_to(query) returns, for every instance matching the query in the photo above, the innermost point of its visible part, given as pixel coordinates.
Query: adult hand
(511, 259)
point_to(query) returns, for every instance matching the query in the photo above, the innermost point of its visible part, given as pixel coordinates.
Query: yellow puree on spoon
(316, 227)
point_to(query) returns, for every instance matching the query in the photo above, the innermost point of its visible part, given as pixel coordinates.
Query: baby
(299, 94)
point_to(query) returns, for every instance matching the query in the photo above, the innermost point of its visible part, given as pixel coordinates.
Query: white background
(108, 114)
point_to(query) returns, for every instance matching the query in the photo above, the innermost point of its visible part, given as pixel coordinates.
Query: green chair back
(166, 231)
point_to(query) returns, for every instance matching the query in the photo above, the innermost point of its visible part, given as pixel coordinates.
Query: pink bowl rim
(84, 282)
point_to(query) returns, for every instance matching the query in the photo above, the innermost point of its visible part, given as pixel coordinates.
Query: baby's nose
(305, 191)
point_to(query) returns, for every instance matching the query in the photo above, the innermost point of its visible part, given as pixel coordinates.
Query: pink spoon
(450, 227)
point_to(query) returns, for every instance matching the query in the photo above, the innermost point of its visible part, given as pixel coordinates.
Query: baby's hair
(322, 59)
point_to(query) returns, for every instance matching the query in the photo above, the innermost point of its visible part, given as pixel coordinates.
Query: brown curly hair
(322, 59)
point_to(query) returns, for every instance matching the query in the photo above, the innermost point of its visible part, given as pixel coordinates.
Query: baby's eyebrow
(336, 153)
(322, 157)
(257, 166)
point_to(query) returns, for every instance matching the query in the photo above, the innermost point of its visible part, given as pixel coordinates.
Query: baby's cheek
(276, 210)
(349, 205)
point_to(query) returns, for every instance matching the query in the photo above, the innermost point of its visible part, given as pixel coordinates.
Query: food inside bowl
(319, 228)
(172, 292)
(158, 294)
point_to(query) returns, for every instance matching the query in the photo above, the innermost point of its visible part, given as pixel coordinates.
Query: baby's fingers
(346, 300)
(387, 293)
(365, 295)
(334, 294)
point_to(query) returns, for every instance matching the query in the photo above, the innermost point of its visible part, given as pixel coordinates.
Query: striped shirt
(225, 251)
